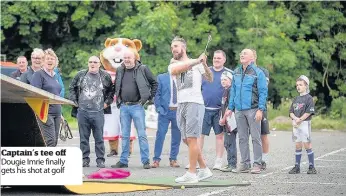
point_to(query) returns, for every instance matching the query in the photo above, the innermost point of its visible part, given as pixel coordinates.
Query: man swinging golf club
(190, 112)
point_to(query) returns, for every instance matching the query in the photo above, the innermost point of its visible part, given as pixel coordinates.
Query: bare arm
(293, 117)
(180, 67)
(208, 75)
(305, 116)
(227, 114)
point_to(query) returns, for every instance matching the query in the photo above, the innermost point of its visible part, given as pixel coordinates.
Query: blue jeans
(137, 114)
(163, 122)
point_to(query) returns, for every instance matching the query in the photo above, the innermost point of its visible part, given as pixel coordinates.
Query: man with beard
(36, 64)
(190, 112)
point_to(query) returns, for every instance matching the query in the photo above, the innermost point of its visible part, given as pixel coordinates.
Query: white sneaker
(187, 178)
(188, 166)
(204, 174)
(218, 164)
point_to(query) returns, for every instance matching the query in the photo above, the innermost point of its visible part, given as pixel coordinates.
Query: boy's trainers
(187, 178)
(204, 174)
(311, 170)
(295, 170)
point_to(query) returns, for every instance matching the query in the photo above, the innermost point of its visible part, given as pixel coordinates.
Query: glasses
(36, 58)
(93, 62)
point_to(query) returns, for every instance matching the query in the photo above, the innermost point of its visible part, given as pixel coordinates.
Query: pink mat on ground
(109, 174)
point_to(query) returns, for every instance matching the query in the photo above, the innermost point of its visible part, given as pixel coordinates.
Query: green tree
(157, 23)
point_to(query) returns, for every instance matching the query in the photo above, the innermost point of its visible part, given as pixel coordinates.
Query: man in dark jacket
(92, 90)
(135, 85)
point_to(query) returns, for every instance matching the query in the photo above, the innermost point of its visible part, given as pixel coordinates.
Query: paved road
(330, 160)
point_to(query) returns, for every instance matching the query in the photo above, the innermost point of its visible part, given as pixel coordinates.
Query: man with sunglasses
(93, 91)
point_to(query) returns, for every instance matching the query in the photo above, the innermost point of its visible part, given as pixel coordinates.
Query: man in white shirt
(191, 109)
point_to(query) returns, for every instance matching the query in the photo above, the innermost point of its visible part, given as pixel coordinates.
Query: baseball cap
(306, 79)
(226, 74)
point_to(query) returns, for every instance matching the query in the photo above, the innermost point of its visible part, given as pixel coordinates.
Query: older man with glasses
(37, 57)
(248, 100)
(93, 91)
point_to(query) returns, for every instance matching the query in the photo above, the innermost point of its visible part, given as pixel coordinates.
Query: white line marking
(333, 167)
(330, 160)
(338, 174)
(319, 183)
(342, 155)
(334, 152)
(286, 168)
(281, 170)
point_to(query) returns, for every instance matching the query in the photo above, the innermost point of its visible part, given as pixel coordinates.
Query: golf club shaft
(209, 39)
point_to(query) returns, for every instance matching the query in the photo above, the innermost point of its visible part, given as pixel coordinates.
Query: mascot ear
(107, 42)
(138, 44)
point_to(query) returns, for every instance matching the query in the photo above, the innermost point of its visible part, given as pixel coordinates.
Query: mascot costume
(111, 58)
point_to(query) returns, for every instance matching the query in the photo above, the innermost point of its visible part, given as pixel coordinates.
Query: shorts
(211, 119)
(302, 133)
(190, 119)
(265, 124)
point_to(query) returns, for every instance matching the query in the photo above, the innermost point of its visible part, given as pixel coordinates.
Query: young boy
(227, 120)
(301, 111)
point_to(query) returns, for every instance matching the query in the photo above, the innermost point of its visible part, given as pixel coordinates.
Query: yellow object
(107, 187)
(39, 106)
(183, 187)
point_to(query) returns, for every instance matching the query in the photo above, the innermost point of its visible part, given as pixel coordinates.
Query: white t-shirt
(189, 84)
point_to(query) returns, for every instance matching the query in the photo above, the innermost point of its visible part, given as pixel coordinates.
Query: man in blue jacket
(166, 106)
(248, 99)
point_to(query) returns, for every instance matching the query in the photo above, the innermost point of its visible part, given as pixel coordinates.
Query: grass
(319, 122)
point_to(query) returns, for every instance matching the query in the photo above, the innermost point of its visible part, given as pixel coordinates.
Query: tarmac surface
(330, 161)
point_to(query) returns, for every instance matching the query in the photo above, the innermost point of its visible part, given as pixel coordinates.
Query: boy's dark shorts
(211, 119)
(265, 124)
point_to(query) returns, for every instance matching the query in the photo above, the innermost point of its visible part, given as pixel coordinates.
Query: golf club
(209, 39)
